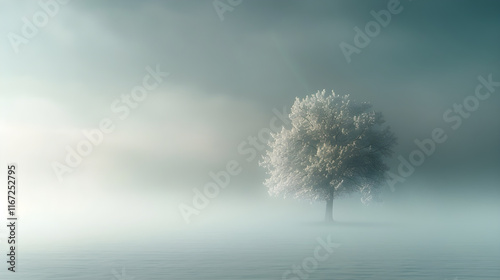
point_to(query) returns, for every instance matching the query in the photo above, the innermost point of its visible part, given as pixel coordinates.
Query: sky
(227, 71)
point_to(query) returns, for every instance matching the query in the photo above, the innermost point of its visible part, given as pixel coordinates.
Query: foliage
(334, 147)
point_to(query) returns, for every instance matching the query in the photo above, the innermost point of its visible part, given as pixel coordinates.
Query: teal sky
(225, 79)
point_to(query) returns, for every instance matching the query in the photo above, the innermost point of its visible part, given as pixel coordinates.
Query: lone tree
(334, 147)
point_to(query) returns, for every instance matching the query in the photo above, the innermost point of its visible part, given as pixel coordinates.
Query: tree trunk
(329, 208)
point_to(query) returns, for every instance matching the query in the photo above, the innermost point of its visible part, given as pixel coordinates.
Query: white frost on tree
(334, 147)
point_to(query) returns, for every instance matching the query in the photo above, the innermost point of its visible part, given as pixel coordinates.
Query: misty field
(345, 250)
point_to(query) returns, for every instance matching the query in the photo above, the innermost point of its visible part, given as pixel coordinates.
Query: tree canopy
(335, 146)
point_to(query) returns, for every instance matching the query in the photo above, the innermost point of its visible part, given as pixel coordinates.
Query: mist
(137, 129)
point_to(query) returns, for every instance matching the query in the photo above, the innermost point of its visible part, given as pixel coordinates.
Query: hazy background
(225, 79)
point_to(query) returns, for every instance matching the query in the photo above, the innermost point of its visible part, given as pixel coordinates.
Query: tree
(334, 147)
